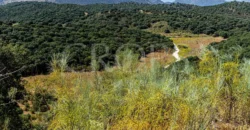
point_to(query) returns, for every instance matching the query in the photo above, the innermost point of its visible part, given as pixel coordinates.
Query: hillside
(89, 24)
(124, 66)
(108, 1)
(201, 2)
(84, 2)
(233, 9)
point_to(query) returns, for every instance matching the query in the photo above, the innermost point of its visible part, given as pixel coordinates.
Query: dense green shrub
(10, 92)
(65, 26)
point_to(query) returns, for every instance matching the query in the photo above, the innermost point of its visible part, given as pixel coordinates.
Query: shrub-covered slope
(41, 29)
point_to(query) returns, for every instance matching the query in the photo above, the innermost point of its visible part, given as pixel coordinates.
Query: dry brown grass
(194, 44)
(52, 82)
(162, 57)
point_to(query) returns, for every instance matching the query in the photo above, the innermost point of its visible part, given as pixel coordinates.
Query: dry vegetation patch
(192, 46)
(188, 43)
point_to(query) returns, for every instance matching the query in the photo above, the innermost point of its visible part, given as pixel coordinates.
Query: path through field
(176, 53)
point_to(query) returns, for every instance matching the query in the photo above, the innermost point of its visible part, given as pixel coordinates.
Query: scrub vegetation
(51, 75)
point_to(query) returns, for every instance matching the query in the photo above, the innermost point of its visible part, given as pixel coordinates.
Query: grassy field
(192, 46)
(188, 43)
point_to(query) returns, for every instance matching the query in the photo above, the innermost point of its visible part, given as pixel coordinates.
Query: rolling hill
(83, 2)
(201, 2)
(69, 43)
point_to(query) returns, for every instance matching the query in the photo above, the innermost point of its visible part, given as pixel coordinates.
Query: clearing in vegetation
(188, 43)
(192, 46)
